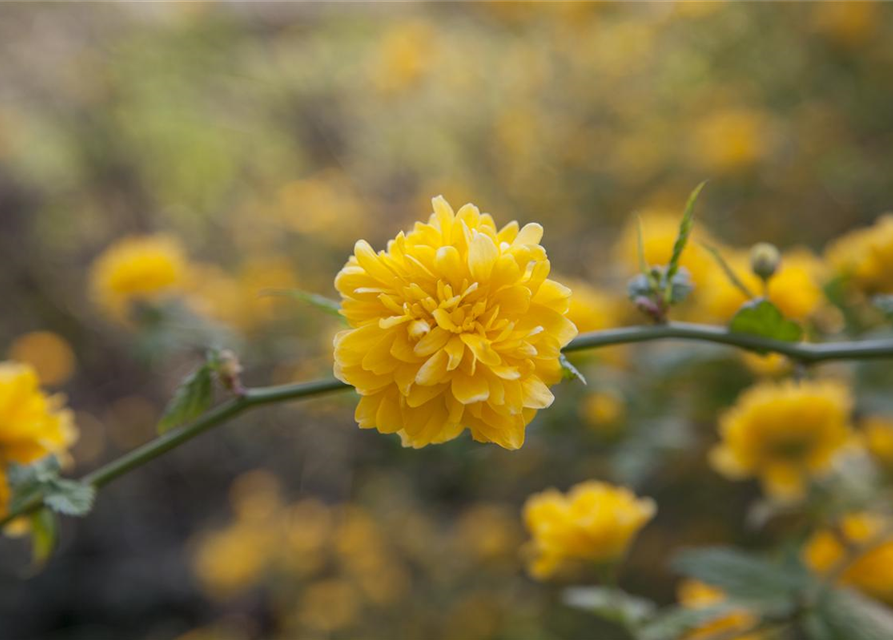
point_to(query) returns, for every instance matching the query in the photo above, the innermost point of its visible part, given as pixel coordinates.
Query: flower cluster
(594, 521)
(784, 433)
(455, 326)
(32, 424)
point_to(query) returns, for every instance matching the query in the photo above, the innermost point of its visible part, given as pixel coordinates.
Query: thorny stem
(800, 352)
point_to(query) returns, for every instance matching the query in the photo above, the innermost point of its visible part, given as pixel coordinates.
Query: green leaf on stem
(843, 614)
(685, 227)
(569, 371)
(728, 271)
(69, 497)
(44, 534)
(745, 578)
(611, 604)
(675, 622)
(191, 399)
(760, 317)
(332, 307)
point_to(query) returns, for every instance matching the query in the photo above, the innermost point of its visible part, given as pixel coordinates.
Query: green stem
(801, 352)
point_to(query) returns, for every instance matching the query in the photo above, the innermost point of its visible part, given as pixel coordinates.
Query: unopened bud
(229, 370)
(764, 260)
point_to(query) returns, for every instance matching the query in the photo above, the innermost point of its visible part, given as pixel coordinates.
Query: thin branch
(801, 352)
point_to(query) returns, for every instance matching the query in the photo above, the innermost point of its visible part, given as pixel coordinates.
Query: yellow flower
(49, 354)
(770, 365)
(455, 326)
(784, 433)
(865, 256)
(595, 521)
(592, 309)
(795, 288)
(693, 594)
(407, 52)
(138, 268)
(659, 230)
(878, 436)
(329, 605)
(872, 572)
(32, 424)
(604, 411)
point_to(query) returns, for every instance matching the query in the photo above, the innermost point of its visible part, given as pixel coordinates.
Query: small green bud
(764, 260)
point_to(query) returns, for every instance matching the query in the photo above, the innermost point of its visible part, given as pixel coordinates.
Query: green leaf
(746, 578)
(332, 307)
(20, 476)
(191, 399)
(730, 273)
(569, 371)
(680, 286)
(760, 317)
(611, 604)
(846, 615)
(44, 533)
(674, 622)
(70, 497)
(685, 227)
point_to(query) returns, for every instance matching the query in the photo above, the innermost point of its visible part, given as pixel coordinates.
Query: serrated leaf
(847, 615)
(675, 622)
(39, 471)
(569, 371)
(760, 317)
(70, 497)
(744, 577)
(190, 400)
(685, 227)
(728, 271)
(332, 307)
(611, 604)
(44, 534)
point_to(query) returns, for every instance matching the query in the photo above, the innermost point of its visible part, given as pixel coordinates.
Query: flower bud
(764, 259)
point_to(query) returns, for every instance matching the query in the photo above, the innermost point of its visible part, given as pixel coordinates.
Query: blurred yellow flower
(693, 594)
(592, 309)
(32, 424)
(604, 411)
(871, 572)
(784, 433)
(659, 230)
(233, 559)
(322, 206)
(768, 365)
(489, 532)
(455, 326)
(846, 23)
(877, 433)
(138, 268)
(407, 50)
(865, 256)
(49, 354)
(795, 288)
(594, 521)
(731, 139)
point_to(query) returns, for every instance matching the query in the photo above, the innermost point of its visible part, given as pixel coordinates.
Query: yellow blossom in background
(406, 52)
(877, 433)
(872, 572)
(659, 231)
(233, 559)
(768, 365)
(604, 411)
(243, 300)
(730, 140)
(846, 23)
(795, 288)
(455, 326)
(865, 256)
(488, 532)
(784, 433)
(592, 309)
(693, 594)
(594, 521)
(321, 206)
(138, 268)
(32, 424)
(49, 353)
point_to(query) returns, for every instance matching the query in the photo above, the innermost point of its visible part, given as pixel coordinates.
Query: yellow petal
(468, 389)
(536, 394)
(434, 370)
(482, 254)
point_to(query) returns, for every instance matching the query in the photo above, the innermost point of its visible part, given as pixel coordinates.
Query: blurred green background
(268, 138)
